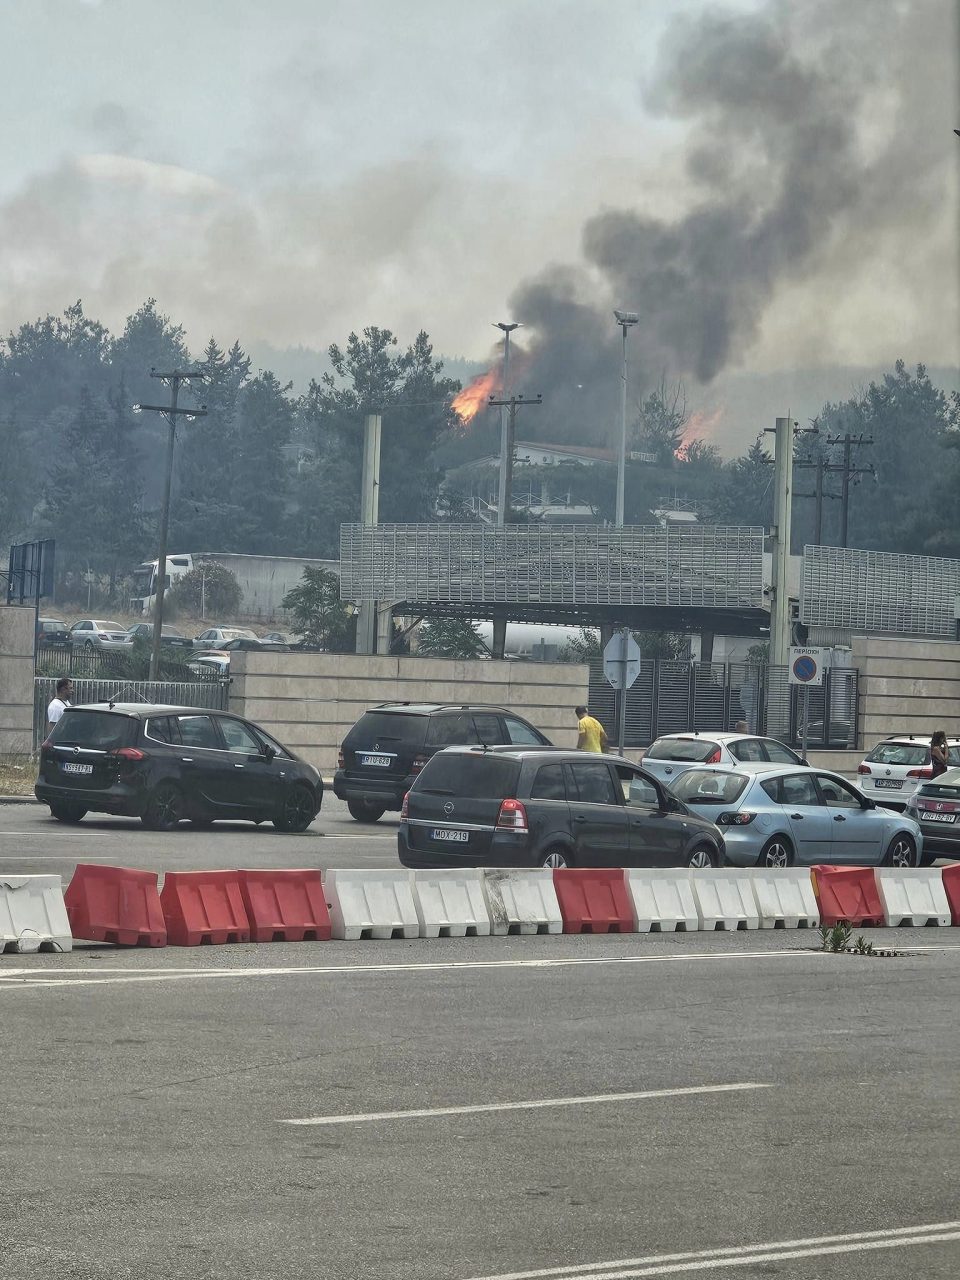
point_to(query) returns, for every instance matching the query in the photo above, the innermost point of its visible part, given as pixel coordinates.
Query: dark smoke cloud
(777, 162)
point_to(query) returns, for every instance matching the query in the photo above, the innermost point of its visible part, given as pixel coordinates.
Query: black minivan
(390, 744)
(530, 807)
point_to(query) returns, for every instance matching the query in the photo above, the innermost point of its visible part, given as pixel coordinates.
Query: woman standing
(938, 753)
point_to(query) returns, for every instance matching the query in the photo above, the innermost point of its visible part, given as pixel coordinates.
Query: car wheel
(67, 812)
(701, 858)
(164, 811)
(364, 812)
(297, 810)
(776, 853)
(555, 857)
(902, 852)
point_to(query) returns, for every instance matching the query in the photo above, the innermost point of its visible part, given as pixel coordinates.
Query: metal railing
(675, 697)
(213, 693)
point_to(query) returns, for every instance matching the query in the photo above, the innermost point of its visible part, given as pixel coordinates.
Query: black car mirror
(268, 751)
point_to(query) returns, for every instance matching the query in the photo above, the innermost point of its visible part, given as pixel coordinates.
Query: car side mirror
(268, 751)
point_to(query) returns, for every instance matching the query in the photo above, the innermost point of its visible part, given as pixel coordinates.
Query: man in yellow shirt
(592, 735)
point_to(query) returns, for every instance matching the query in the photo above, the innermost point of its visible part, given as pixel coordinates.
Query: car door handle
(580, 819)
(838, 817)
(798, 817)
(239, 766)
(186, 759)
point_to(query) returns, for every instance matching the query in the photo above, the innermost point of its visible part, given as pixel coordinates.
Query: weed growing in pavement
(837, 940)
(862, 947)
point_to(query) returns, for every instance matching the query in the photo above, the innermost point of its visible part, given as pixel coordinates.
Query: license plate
(937, 817)
(381, 762)
(445, 833)
(77, 768)
(889, 784)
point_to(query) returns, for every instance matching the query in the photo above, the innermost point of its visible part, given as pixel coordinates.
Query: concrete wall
(310, 700)
(16, 679)
(906, 686)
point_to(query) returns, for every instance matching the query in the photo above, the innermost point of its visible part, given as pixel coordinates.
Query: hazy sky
(286, 172)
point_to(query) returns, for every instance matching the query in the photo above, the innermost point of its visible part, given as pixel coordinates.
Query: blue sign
(805, 669)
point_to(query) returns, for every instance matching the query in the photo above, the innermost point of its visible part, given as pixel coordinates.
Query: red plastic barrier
(285, 906)
(951, 883)
(203, 907)
(115, 904)
(847, 895)
(594, 900)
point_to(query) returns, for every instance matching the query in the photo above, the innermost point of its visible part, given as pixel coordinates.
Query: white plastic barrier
(914, 895)
(784, 897)
(521, 901)
(724, 899)
(450, 904)
(32, 914)
(371, 904)
(662, 900)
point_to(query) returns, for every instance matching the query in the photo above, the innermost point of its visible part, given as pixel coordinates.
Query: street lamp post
(506, 428)
(624, 319)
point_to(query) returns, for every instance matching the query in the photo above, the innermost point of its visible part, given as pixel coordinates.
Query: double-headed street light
(624, 319)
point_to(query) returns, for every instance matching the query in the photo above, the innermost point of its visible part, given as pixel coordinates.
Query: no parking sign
(806, 666)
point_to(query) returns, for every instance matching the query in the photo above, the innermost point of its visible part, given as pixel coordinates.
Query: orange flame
(468, 402)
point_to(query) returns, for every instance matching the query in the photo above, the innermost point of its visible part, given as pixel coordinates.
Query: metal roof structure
(877, 591)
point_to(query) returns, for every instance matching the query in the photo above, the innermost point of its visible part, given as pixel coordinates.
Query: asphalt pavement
(458, 1109)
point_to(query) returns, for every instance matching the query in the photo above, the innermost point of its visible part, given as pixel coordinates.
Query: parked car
(216, 637)
(530, 806)
(673, 753)
(390, 744)
(775, 815)
(275, 637)
(255, 645)
(52, 633)
(168, 635)
(164, 764)
(95, 633)
(897, 767)
(216, 662)
(936, 807)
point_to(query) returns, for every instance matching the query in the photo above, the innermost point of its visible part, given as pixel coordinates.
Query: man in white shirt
(60, 703)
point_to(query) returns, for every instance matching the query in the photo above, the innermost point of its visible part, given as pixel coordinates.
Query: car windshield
(698, 749)
(705, 786)
(101, 730)
(471, 776)
(238, 633)
(899, 753)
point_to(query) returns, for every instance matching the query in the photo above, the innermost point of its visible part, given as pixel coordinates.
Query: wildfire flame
(468, 402)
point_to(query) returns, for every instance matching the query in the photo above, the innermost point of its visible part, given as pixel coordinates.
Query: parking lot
(583, 1106)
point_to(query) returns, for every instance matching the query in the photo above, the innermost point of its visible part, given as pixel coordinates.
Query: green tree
(210, 590)
(660, 426)
(319, 614)
(451, 638)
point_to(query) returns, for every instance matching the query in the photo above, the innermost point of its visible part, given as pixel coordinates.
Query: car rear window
(937, 791)
(101, 730)
(469, 775)
(900, 753)
(704, 786)
(386, 726)
(698, 749)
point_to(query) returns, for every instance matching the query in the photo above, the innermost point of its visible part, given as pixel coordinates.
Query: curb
(19, 800)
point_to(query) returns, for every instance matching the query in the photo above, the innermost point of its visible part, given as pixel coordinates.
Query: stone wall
(906, 686)
(310, 700)
(16, 679)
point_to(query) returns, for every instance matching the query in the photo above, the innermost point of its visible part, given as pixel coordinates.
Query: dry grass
(17, 776)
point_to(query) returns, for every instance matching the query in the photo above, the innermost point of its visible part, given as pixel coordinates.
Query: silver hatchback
(774, 816)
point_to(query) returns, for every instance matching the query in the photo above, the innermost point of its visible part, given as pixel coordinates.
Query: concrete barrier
(847, 895)
(32, 914)
(285, 905)
(784, 897)
(913, 896)
(521, 901)
(203, 907)
(115, 904)
(724, 899)
(371, 904)
(662, 900)
(450, 903)
(593, 900)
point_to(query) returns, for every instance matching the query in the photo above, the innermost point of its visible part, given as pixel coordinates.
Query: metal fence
(878, 591)
(115, 664)
(213, 693)
(674, 697)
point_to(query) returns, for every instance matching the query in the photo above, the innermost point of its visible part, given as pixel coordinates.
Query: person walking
(938, 753)
(591, 734)
(59, 704)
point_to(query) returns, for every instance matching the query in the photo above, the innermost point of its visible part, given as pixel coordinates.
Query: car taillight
(925, 772)
(512, 816)
(418, 763)
(735, 819)
(340, 759)
(864, 768)
(405, 806)
(129, 753)
(714, 759)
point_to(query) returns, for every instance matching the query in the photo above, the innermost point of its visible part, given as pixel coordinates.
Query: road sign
(621, 660)
(806, 665)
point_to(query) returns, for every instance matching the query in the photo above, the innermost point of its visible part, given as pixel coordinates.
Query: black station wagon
(164, 764)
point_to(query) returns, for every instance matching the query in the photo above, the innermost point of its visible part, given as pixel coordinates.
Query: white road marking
(743, 1255)
(533, 1105)
(14, 979)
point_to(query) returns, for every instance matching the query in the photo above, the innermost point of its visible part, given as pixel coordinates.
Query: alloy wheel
(902, 853)
(776, 854)
(700, 859)
(554, 858)
(298, 809)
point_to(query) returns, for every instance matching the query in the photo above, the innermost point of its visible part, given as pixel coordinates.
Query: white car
(95, 633)
(206, 664)
(897, 767)
(217, 637)
(674, 753)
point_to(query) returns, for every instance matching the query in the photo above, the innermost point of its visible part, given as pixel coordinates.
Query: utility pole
(369, 515)
(849, 442)
(624, 319)
(512, 404)
(506, 428)
(780, 543)
(169, 412)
